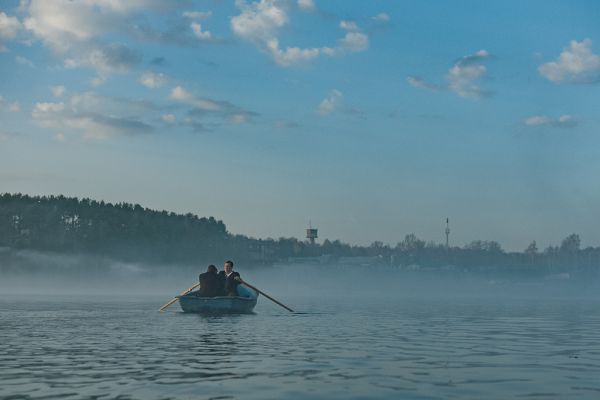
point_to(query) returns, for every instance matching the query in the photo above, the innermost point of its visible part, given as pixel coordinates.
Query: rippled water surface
(337, 348)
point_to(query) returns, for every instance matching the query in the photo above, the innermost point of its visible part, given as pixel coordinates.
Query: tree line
(131, 232)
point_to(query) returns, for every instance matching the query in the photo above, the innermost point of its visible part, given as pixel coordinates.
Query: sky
(369, 120)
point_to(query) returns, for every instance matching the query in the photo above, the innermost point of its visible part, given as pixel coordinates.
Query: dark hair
(212, 268)
(229, 262)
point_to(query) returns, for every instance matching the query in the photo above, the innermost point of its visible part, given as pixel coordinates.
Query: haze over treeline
(132, 233)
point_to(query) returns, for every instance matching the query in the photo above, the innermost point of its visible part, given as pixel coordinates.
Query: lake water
(336, 348)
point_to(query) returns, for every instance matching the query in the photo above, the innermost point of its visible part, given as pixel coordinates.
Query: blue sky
(372, 119)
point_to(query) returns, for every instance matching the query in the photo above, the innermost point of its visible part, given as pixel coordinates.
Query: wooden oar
(266, 295)
(163, 308)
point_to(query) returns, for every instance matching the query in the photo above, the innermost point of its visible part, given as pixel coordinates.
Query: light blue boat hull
(244, 303)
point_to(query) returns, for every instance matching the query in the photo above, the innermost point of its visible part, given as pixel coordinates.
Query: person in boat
(209, 283)
(230, 278)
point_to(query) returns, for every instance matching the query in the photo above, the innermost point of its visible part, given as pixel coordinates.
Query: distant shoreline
(131, 234)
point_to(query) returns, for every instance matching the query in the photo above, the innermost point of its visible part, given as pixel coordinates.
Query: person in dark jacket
(209, 283)
(230, 278)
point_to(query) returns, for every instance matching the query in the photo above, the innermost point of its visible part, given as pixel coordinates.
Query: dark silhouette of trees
(532, 251)
(570, 244)
(127, 231)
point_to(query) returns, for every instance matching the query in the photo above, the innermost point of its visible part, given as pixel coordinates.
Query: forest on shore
(132, 233)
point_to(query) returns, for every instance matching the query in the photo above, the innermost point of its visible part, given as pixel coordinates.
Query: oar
(266, 295)
(177, 298)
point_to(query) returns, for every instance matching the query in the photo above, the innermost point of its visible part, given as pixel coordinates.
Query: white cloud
(463, 77)
(330, 104)
(198, 32)
(64, 23)
(564, 121)
(306, 5)
(381, 17)
(60, 137)
(259, 22)
(201, 15)
(180, 94)
(152, 80)
(205, 110)
(537, 120)
(422, 84)
(348, 25)
(24, 61)
(291, 55)
(44, 108)
(576, 63)
(239, 119)
(115, 58)
(86, 100)
(93, 116)
(354, 42)
(9, 26)
(169, 118)
(58, 90)
(81, 31)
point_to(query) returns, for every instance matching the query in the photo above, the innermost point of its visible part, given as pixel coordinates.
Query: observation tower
(311, 233)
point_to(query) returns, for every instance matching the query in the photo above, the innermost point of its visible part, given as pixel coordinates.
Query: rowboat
(243, 303)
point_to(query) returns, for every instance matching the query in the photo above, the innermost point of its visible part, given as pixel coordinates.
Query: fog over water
(84, 327)
(31, 272)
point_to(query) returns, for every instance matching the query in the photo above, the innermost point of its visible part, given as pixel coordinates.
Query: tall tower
(311, 234)
(447, 232)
